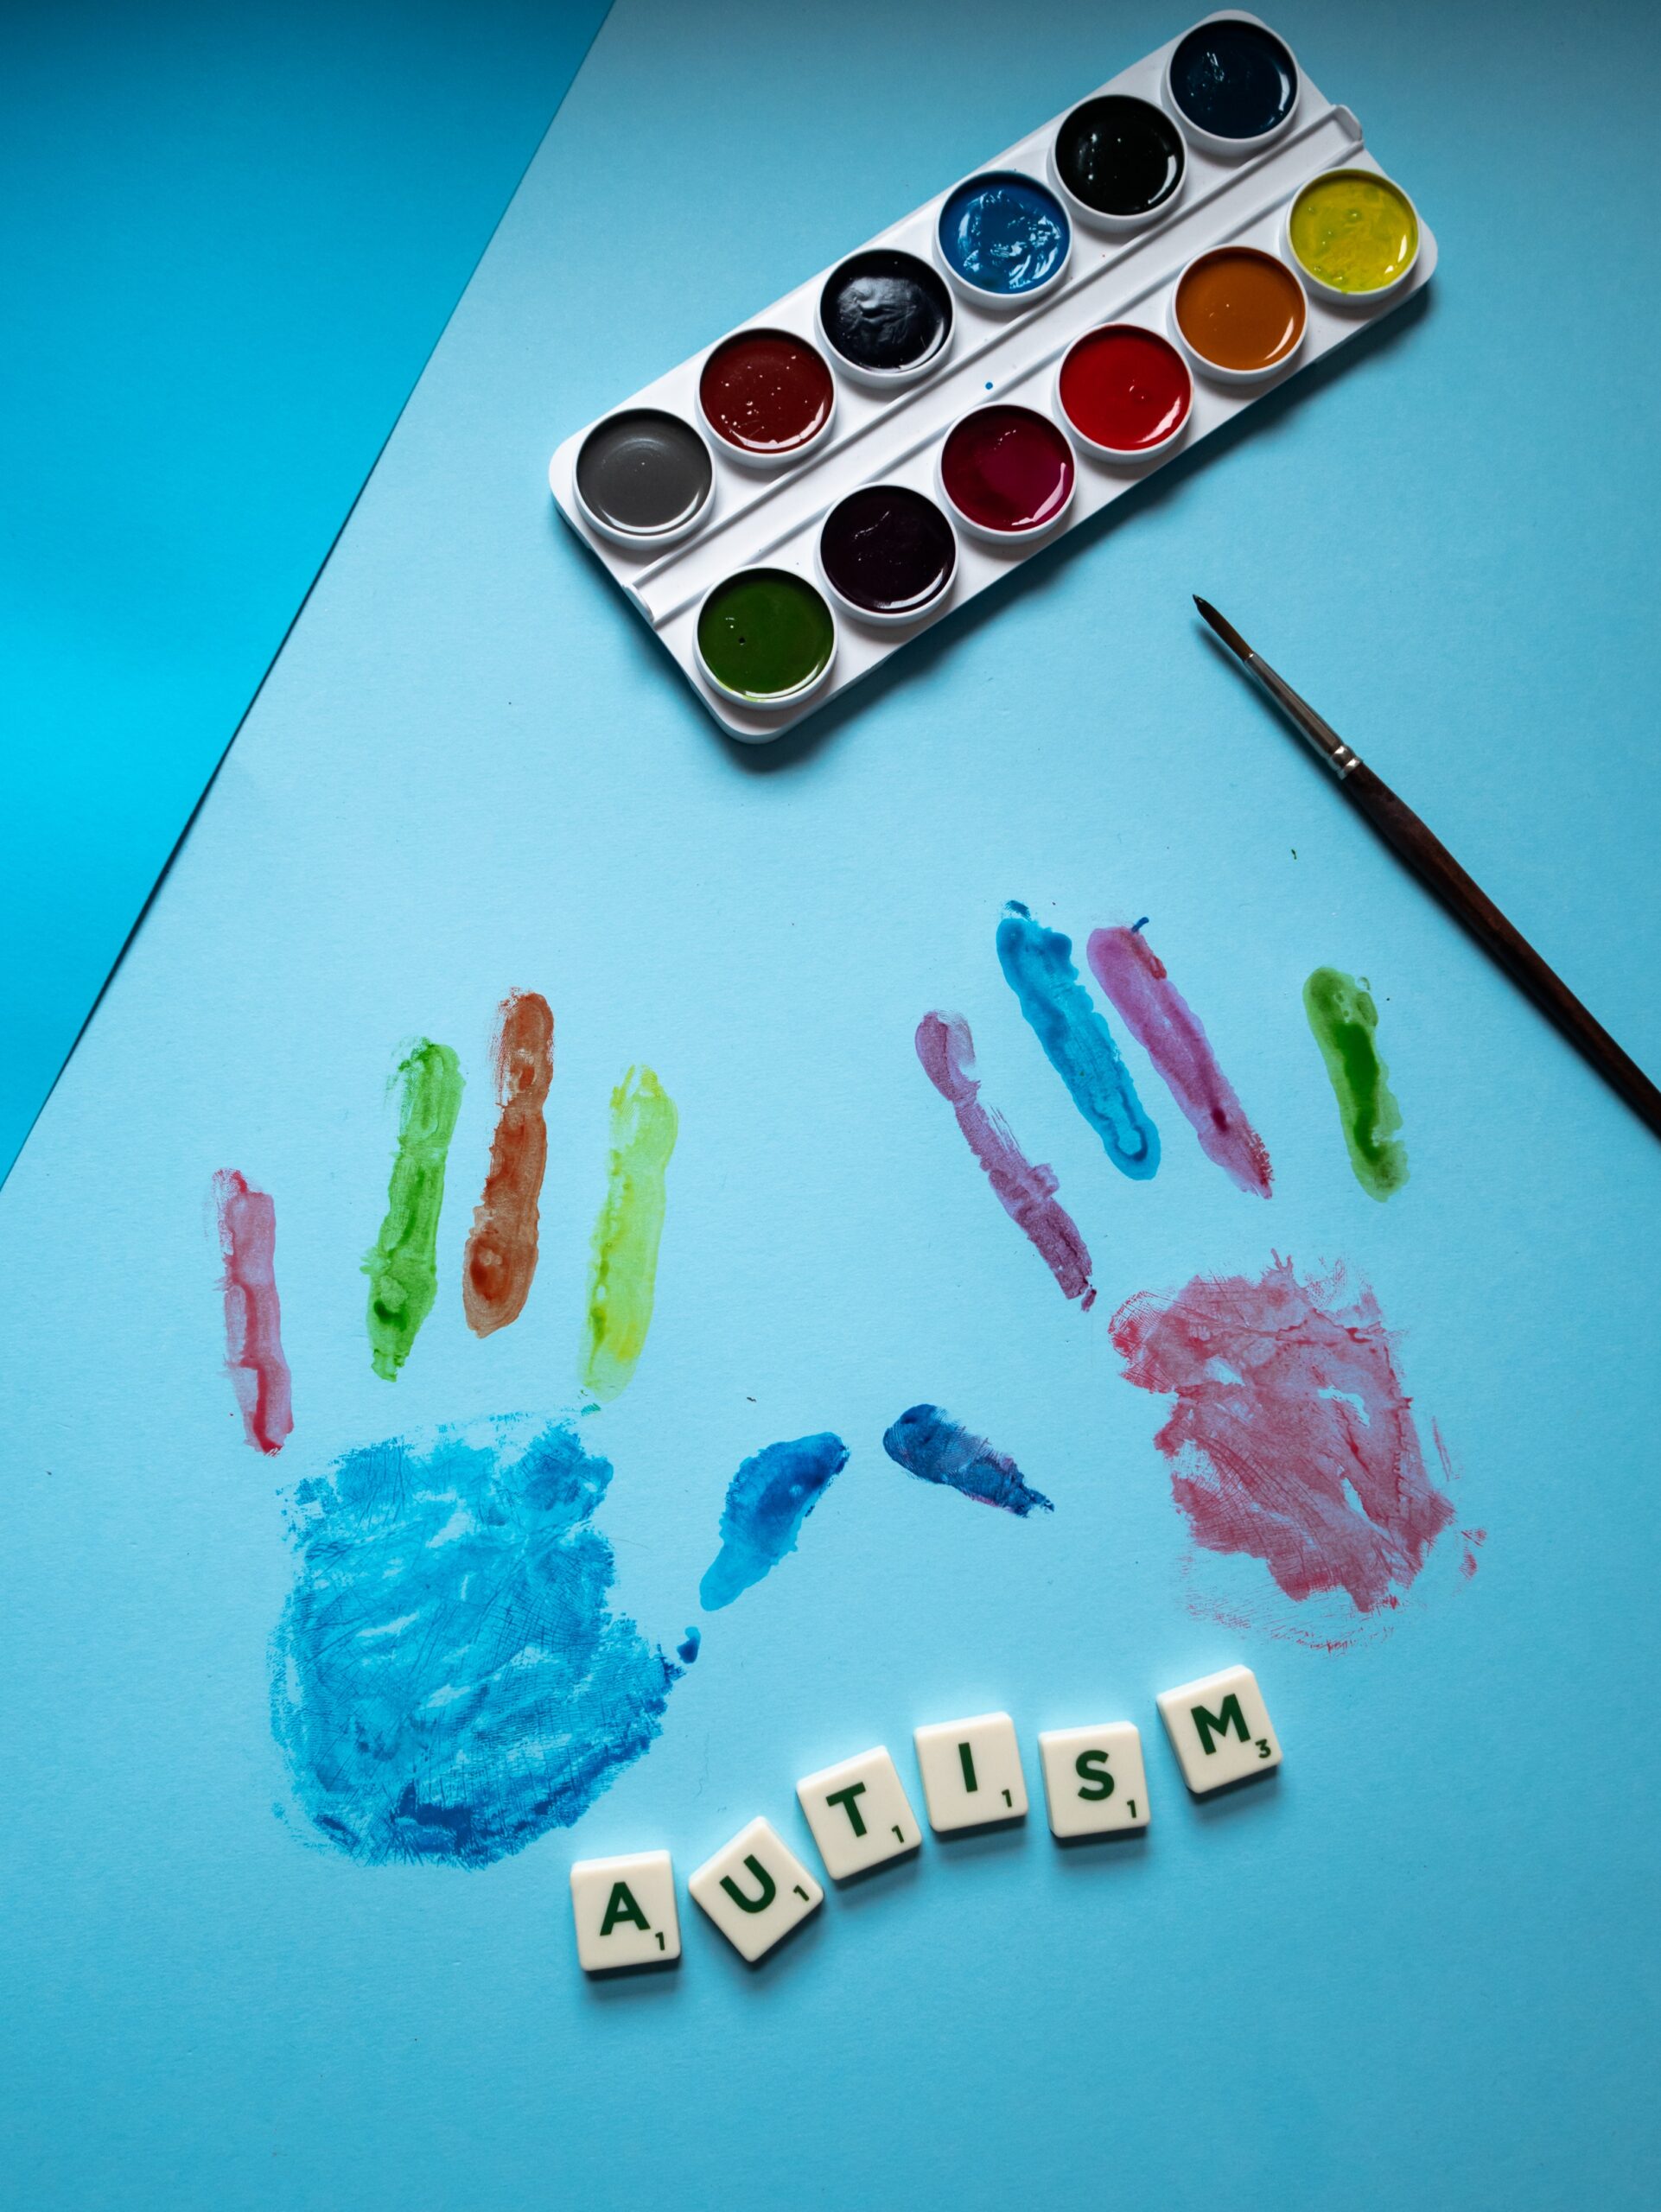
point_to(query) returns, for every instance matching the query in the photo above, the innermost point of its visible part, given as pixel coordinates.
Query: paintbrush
(1430, 859)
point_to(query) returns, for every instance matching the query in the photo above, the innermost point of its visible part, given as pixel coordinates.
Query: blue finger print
(1037, 965)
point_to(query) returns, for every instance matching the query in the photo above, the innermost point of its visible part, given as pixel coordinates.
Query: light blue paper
(1415, 1969)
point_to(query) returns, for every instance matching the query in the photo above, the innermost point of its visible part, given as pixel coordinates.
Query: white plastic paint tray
(773, 518)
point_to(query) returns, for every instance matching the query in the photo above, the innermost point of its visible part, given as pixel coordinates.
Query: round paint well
(1241, 313)
(887, 553)
(1354, 234)
(1232, 84)
(1009, 472)
(1119, 161)
(765, 637)
(886, 315)
(1125, 391)
(767, 396)
(643, 474)
(1004, 238)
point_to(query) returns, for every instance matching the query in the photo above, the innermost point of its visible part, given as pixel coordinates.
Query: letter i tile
(755, 1890)
(972, 1773)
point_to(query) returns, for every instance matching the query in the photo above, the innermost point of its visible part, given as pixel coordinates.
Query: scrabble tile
(625, 1911)
(1221, 1729)
(755, 1890)
(1093, 1779)
(971, 1771)
(859, 1814)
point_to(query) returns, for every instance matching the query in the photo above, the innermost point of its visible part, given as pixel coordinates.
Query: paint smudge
(1344, 1022)
(254, 1319)
(622, 1278)
(1292, 1440)
(767, 1500)
(1037, 965)
(501, 1260)
(448, 1679)
(927, 1443)
(1170, 1032)
(402, 1268)
(687, 1650)
(1025, 1189)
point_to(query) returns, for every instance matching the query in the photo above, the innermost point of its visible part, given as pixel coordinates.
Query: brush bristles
(1225, 629)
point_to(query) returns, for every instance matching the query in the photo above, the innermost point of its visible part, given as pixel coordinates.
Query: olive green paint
(765, 633)
(1345, 1023)
(402, 1267)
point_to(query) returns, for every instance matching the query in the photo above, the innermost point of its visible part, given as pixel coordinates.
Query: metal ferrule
(1321, 738)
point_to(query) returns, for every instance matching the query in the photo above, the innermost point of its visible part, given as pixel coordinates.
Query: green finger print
(1344, 1021)
(402, 1268)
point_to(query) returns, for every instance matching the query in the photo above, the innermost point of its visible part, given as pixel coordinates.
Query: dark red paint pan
(1008, 472)
(767, 396)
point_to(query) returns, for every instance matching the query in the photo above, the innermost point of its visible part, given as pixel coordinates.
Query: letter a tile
(625, 1911)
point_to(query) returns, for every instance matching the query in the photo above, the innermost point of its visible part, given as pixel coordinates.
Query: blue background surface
(1420, 1967)
(231, 236)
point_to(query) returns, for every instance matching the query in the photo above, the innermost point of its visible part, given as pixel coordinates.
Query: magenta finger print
(1025, 1189)
(253, 1322)
(1169, 1031)
(1292, 1438)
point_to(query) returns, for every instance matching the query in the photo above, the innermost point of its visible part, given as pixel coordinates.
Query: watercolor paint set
(756, 1890)
(791, 505)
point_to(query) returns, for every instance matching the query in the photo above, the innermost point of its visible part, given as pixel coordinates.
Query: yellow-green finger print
(623, 1274)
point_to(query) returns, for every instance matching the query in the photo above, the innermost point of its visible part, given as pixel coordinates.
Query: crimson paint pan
(1008, 472)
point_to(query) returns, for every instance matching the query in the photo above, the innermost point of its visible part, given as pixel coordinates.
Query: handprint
(448, 1677)
(1292, 1441)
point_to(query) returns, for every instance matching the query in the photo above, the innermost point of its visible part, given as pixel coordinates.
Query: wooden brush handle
(1399, 826)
